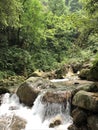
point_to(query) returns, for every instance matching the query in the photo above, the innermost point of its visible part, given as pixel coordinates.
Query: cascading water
(39, 117)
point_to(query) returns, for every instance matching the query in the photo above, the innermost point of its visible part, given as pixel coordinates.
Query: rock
(76, 67)
(93, 122)
(63, 71)
(88, 86)
(55, 122)
(17, 123)
(1, 96)
(56, 97)
(29, 90)
(27, 94)
(49, 75)
(4, 90)
(93, 75)
(37, 73)
(79, 117)
(45, 75)
(84, 73)
(73, 127)
(86, 100)
(12, 123)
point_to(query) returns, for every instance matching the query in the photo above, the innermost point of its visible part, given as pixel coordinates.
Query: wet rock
(55, 122)
(29, 90)
(13, 107)
(86, 100)
(56, 97)
(88, 86)
(17, 123)
(79, 117)
(93, 122)
(1, 99)
(3, 90)
(73, 127)
(12, 123)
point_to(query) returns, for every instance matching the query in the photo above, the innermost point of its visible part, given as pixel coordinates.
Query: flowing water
(39, 117)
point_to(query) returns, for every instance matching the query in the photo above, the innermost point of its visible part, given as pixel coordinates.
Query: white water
(39, 116)
(59, 80)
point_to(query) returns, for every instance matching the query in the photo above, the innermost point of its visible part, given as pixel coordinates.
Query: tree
(32, 23)
(9, 19)
(57, 7)
(9, 12)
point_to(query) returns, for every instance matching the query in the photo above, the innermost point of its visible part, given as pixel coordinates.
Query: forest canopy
(44, 34)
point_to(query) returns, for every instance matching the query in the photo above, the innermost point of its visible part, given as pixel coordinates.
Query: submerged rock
(29, 90)
(86, 100)
(12, 123)
(55, 122)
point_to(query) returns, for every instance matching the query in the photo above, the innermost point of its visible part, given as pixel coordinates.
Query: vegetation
(44, 34)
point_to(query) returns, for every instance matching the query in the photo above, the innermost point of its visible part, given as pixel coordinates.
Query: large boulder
(88, 86)
(86, 100)
(29, 90)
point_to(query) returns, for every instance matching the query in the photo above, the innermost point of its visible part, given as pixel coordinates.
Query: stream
(40, 117)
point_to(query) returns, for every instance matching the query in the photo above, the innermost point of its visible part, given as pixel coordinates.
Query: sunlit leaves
(9, 12)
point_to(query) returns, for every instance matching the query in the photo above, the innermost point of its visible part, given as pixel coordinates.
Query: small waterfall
(40, 117)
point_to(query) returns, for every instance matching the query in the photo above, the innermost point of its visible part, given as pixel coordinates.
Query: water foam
(39, 116)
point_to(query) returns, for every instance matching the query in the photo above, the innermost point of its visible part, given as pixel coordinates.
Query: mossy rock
(84, 73)
(93, 75)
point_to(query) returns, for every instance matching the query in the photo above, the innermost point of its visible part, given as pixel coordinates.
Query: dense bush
(16, 60)
(44, 60)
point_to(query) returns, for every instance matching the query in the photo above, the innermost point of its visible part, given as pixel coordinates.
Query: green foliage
(16, 60)
(9, 12)
(6, 74)
(57, 7)
(42, 34)
(32, 22)
(44, 60)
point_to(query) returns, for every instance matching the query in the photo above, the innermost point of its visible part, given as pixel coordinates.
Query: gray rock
(29, 90)
(86, 100)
